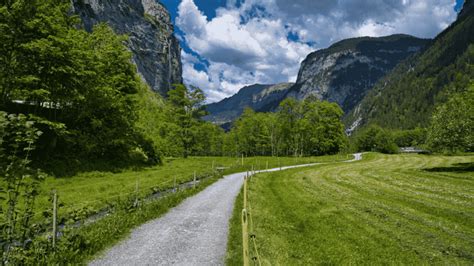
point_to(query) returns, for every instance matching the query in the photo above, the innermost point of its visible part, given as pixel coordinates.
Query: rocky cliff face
(156, 51)
(259, 97)
(344, 72)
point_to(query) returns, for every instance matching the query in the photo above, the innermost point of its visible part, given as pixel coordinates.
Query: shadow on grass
(456, 168)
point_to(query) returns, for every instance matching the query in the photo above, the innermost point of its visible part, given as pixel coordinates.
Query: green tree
(452, 126)
(375, 138)
(287, 116)
(32, 42)
(323, 131)
(208, 139)
(52, 68)
(310, 127)
(410, 138)
(185, 108)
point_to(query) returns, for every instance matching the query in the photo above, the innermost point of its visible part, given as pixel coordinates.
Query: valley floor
(385, 209)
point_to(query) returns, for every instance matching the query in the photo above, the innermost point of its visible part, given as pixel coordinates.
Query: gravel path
(193, 233)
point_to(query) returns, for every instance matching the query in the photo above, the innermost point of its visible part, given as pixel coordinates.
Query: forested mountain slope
(407, 96)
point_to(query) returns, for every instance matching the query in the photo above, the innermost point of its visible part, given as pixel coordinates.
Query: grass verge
(87, 193)
(78, 245)
(386, 209)
(117, 191)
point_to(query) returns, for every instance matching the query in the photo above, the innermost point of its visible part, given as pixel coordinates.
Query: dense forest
(309, 127)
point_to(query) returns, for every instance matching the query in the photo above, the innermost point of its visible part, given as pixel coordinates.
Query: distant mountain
(407, 96)
(347, 70)
(342, 73)
(259, 97)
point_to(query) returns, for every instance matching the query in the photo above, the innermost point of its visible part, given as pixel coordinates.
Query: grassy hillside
(386, 209)
(407, 97)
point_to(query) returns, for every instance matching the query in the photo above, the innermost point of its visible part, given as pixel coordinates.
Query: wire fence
(249, 237)
(143, 191)
(137, 196)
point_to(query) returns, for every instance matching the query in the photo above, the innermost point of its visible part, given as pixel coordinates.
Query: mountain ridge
(259, 97)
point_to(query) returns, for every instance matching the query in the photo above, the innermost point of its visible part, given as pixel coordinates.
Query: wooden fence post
(245, 233)
(245, 238)
(136, 193)
(55, 216)
(245, 193)
(174, 184)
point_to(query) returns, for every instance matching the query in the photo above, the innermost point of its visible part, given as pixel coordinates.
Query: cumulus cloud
(248, 41)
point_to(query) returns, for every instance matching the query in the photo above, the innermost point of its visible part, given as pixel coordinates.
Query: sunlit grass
(386, 209)
(93, 191)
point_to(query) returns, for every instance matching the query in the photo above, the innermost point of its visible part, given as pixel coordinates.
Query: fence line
(129, 192)
(246, 220)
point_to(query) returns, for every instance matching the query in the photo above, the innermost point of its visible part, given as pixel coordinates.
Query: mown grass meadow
(385, 209)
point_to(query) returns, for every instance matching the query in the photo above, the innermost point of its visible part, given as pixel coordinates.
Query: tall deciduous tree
(452, 127)
(185, 108)
(52, 68)
(375, 138)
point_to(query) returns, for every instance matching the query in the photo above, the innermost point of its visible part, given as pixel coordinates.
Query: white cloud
(249, 44)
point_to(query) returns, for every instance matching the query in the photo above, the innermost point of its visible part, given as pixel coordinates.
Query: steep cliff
(258, 97)
(342, 73)
(156, 51)
(347, 70)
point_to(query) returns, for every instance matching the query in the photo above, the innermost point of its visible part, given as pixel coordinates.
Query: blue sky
(228, 44)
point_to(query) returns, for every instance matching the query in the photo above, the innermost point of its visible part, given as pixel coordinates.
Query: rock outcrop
(156, 51)
(347, 70)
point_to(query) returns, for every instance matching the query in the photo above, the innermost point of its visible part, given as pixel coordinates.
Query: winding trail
(193, 233)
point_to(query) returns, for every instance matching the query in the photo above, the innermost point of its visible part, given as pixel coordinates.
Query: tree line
(450, 130)
(298, 128)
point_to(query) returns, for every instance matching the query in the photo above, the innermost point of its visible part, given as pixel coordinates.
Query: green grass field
(385, 209)
(89, 192)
